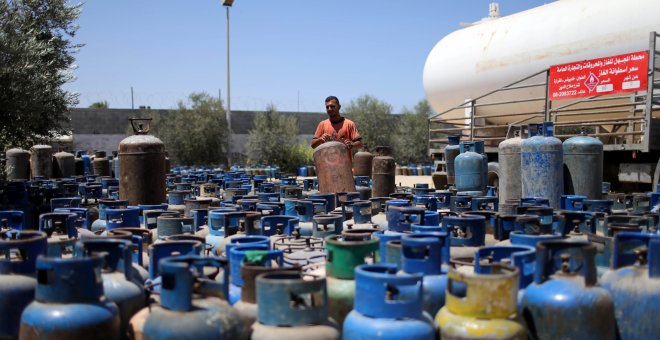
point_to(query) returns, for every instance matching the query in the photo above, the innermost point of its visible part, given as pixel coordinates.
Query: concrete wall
(103, 129)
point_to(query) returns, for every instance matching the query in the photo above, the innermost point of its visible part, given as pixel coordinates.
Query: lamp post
(227, 4)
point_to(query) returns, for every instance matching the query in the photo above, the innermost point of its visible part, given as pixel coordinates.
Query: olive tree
(196, 133)
(412, 134)
(36, 60)
(373, 120)
(274, 141)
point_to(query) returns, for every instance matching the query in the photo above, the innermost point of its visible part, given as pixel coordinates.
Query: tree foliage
(100, 105)
(273, 141)
(412, 135)
(196, 133)
(36, 59)
(372, 119)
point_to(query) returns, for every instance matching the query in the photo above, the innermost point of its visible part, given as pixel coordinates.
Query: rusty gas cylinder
(383, 173)
(362, 163)
(333, 168)
(142, 166)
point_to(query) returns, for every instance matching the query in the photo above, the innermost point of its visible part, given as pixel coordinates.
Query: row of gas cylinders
(537, 166)
(417, 264)
(41, 162)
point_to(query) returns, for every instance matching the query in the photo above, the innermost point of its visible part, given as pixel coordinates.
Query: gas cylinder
(634, 283)
(583, 166)
(425, 253)
(119, 284)
(333, 166)
(541, 164)
(520, 256)
(362, 163)
(343, 256)
(466, 232)
(510, 184)
(469, 167)
(41, 161)
(18, 164)
(292, 308)
(247, 306)
(326, 224)
(451, 151)
(101, 164)
(378, 290)
(383, 173)
(141, 166)
(191, 305)
(61, 231)
(564, 289)
(69, 302)
(63, 165)
(256, 252)
(100, 223)
(19, 251)
(481, 306)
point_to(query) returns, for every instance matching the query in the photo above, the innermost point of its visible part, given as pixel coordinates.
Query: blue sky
(291, 53)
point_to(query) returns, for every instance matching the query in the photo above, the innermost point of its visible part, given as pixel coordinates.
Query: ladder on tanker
(620, 121)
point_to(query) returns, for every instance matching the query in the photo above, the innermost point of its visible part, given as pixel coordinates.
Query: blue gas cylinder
(542, 164)
(387, 305)
(160, 251)
(425, 253)
(69, 302)
(191, 305)
(465, 230)
(565, 302)
(291, 307)
(469, 166)
(19, 250)
(634, 284)
(400, 218)
(61, 231)
(100, 223)
(119, 283)
(326, 224)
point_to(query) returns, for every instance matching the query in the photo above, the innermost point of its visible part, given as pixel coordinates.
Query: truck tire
(494, 175)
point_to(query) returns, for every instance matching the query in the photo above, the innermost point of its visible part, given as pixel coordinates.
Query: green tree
(195, 134)
(100, 105)
(412, 135)
(36, 59)
(372, 119)
(273, 141)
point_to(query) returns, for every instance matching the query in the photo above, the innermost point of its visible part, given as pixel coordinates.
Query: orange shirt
(343, 130)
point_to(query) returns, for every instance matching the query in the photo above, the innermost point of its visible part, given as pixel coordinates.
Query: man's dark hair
(332, 98)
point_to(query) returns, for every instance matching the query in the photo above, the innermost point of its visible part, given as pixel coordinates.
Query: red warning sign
(596, 77)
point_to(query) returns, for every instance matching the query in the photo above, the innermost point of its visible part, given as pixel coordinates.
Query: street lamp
(227, 4)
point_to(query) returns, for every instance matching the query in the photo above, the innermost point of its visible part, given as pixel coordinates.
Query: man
(337, 128)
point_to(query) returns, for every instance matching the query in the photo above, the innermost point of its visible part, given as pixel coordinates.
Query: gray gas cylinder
(510, 185)
(583, 166)
(18, 164)
(41, 161)
(64, 165)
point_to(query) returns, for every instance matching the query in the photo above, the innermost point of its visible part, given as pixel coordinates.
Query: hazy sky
(291, 53)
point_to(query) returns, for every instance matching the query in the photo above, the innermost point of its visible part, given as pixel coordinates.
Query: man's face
(332, 108)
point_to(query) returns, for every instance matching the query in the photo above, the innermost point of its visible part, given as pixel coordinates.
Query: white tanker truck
(487, 79)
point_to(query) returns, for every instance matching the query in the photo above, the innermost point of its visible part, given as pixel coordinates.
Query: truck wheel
(494, 174)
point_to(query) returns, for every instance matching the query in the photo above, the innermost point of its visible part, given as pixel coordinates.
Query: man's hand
(326, 138)
(348, 144)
